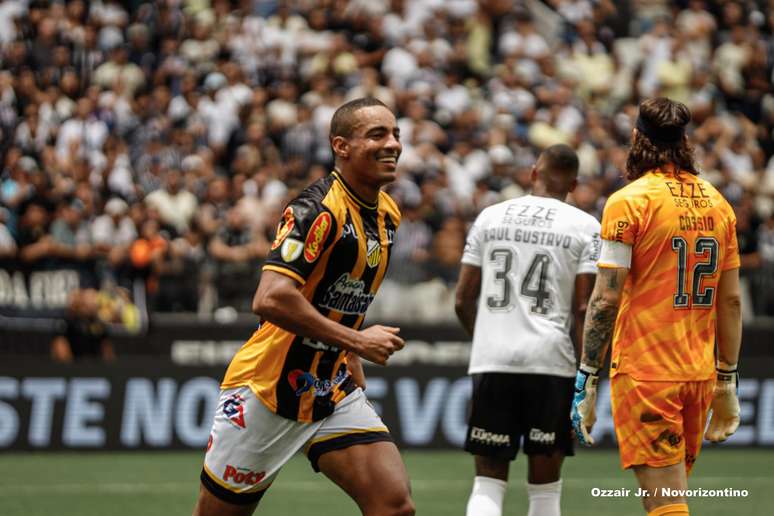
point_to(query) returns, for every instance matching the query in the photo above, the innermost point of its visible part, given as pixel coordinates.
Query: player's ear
(340, 147)
(573, 185)
(533, 174)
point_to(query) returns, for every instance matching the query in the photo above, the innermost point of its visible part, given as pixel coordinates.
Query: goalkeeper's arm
(725, 405)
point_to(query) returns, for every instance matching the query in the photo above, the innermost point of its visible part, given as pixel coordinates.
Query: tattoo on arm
(600, 318)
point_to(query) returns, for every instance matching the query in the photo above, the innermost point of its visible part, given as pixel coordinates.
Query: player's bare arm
(355, 366)
(601, 313)
(279, 301)
(725, 403)
(729, 336)
(468, 288)
(584, 285)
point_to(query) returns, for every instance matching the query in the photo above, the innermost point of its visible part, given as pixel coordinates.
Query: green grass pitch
(166, 483)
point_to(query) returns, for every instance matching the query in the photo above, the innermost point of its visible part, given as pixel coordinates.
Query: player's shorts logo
(316, 236)
(234, 410)
(239, 475)
(284, 227)
(538, 436)
(374, 253)
(490, 438)
(304, 381)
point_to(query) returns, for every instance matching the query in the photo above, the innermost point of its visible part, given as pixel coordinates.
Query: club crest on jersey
(373, 253)
(284, 227)
(291, 249)
(234, 410)
(316, 236)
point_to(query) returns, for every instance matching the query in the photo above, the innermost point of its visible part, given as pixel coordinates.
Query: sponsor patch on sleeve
(291, 249)
(315, 239)
(284, 228)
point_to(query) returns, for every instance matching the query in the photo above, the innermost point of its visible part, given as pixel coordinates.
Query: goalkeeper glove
(724, 418)
(584, 413)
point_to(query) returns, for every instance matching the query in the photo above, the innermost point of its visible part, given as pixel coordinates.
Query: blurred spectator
(237, 251)
(85, 335)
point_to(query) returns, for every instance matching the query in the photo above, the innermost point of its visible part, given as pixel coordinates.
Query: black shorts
(508, 407)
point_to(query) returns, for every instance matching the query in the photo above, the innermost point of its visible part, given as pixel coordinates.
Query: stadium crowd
(161, 140)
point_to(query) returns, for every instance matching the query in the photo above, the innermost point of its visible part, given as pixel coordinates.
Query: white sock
(544, 499)
(486, 499)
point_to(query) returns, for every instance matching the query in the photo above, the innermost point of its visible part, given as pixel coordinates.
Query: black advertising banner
(155, 404)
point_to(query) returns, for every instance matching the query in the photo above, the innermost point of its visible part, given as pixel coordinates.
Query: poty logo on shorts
(239, 475)
(481, 435)
(234, 410)
(538, 436)
(303, 381)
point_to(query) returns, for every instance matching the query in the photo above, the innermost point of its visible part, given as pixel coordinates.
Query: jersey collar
(355, 197)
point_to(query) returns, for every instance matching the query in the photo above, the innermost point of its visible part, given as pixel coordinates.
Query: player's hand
(724, 419)
(583, 414)
(378, 343)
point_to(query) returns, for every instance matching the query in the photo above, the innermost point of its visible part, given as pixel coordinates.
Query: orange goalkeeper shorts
(659, 423)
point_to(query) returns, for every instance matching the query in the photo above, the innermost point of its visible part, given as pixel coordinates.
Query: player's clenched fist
(378, 342)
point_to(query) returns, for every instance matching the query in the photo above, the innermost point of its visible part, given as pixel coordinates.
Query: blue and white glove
(725, 404)
(584, 406)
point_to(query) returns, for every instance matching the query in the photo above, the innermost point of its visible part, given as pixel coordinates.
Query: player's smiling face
(375, 145)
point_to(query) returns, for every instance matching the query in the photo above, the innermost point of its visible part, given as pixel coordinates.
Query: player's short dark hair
(560, 158)
(660, 138)
(343, 121)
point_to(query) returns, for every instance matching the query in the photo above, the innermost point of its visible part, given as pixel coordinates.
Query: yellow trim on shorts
(224, 485)
(285, 271)
(342, 434)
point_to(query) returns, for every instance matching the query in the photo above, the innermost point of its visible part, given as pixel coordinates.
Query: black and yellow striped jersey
(337, 246)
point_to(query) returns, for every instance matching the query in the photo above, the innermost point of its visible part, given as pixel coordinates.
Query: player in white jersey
(527, 273)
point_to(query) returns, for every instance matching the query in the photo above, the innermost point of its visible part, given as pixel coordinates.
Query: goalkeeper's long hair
(660, 139)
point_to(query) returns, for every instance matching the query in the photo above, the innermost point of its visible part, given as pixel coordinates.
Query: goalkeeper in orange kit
(667, 290)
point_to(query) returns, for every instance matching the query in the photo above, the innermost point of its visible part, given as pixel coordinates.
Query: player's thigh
(247, 448)
(648, 421)
(697, 398)
(660, 484)
(492, 467)
(354, 449)
(210, 505)
(547, 427)
(373, 475)
(494, 427)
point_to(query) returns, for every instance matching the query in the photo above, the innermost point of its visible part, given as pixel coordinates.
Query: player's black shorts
(509, 407)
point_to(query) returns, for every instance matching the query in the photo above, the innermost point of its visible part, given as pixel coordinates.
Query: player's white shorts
(249, 444)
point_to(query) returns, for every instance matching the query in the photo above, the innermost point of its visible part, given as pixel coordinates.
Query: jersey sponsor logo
(347, 295)
(316, 236)
(304, 381)
(538, 436)
(349, 231)
(234, 410)
(284, 227)
(238, 475)
(486, 437)
(374, 253)
(291, 249)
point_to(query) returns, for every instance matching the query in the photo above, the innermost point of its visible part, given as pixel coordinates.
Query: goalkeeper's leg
(653, 480)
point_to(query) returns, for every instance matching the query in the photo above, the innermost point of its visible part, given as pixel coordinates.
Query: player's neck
(365, 191)
(538, 191)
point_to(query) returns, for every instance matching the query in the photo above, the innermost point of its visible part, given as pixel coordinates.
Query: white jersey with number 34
(529, 250)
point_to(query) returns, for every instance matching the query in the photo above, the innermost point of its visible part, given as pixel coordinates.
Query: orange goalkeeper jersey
(683, 235)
